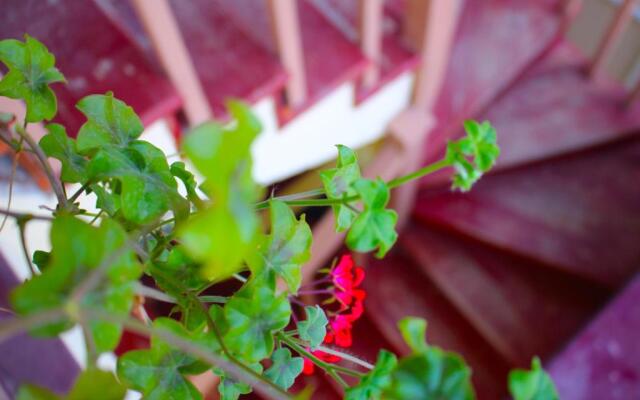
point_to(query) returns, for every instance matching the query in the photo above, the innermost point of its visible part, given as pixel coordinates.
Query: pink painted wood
(228, 61)
(394, 291)
(521, 309)
(603, 362)
(95, 57)
(370, 37)
(480, 68)
(577, 214)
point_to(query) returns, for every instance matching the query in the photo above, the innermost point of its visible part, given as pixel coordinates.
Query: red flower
(347, 277)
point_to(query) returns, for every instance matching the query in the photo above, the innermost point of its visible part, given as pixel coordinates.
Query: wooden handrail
(286, 32)
(612, 37)
(161, 26)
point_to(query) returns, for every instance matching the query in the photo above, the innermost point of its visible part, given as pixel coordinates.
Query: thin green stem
(14, 167)
(92, 351)
(346, 356)
(42, 158)
(295, 196)
(429, 169)
(14, 326)
(25, 251)
(213, 299)
(78, 192)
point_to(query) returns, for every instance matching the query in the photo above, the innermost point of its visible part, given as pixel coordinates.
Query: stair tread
(94, 56)
(578, 213)
(230, 61)
(395, 56)
(396, 289)
(479, 68)
(603, 362)
(522, 310)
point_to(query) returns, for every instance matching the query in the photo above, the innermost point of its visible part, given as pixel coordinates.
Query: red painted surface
(496, 41)
(521, 309)
(578, 214)
(228, 61)
(603, 362)
(395, 290)
(330, 59)
(396, 57)
(94, 56)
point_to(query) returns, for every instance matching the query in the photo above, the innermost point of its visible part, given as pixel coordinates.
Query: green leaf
(314, 328)
(31, 70)
(58, 145)
(179, 170)
(532, 385)
(231, 389)
(374, 227)
(285, 369)
(472, 155)
(110, 122)
(253, 315)
(41, 259)
(414, 332)
(224, 233)
(158, 373)
(378, 379)
(90, 384)
(431, 374)
(77, 249)
(337, 184)
(288, 246)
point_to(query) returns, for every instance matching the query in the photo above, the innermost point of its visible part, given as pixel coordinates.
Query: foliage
(252, 338)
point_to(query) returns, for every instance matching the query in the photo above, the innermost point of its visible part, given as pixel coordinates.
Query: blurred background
(540, 258)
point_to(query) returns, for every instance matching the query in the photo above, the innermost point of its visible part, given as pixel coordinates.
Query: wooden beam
(635, 93)
(286, 32)
(612, 37)
(160, 24)
(430, 26)
(370, 26)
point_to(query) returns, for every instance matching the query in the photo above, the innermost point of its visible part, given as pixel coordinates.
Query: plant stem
(18, 215)
(55, 183)
(25, 251)
(330, 369)
(346, 356)
(429, 169)
(78, 192)
(152, 293)
(14, 167)
(13, 326)
(296, 196)
(235, 371)
(213, 299)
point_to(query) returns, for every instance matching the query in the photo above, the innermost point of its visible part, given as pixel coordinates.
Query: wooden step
(496, 42)
(395, 58)
(578, 214)
(521, 309)
(396, 289)
(94, 56)
(230, 62)
(603, 362)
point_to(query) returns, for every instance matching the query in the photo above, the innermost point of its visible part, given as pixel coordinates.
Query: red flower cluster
(346, 278)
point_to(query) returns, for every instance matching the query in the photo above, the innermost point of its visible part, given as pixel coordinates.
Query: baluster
(370, 25)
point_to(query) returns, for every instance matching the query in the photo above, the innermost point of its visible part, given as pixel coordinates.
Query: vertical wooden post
(286, 32)
(370, 25)
(635, 94)
(430, 27)
(611, 38)
(160, 24)
(570, 9)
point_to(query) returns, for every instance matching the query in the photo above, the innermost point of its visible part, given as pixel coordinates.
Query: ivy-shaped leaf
(377, 380)
(535, 384)
(414, 332)
(77, 249)
(91, 383)
(285, 369)
(179, 170)
(231, 389)
(287, 247)
(31, 71)
(253, 315)
(314, 328)
(374, 227)
(337, 184)
(224, 233)
(430, 372)
(159, 373)
(479, 145)
(58, 145)
(41, 259)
